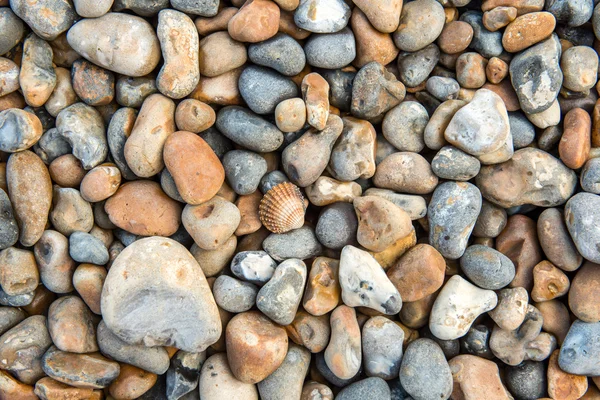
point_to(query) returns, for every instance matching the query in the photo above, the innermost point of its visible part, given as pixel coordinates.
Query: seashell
(282, 208)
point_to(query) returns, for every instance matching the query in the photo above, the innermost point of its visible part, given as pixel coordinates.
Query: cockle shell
(282, 208)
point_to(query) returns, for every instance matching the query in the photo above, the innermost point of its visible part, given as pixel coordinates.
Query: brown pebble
(194, 116)
(71, 325)
(418, 273)
(50, 389)
(219, 53)
(528, 30)
(222, 90)
(42, 299)
(384, 15)
(100, 183)
(470, 70)
(596, 125)
(30, 192)
(12, 389)
(584, 296)
(323, 290)
(575, 143)
(93, 84)
(415, 314)
(12, 100)
(88, 280)
(255, 346)
(455, 37)
(549, 282)
(256, 21)
(196, 169)
(451, 14)
(131, 383)
(248, 206)
(310, 331)
(392, 174)
(70, 212)
(498, 18)
(67, 171)
(208, 25)
(505, 90)
(288, 26)
(388, 257)
(142, 208)
(496, 70)
(476, 378)
(562, 385)
(380, 222)
(18, 271)
(556, 318)
(371, 44)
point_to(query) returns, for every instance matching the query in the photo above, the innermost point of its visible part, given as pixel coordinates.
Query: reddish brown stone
(256, 21)
(575, 143)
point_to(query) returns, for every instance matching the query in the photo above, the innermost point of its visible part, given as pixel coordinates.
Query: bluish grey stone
(397, 391)
(536, 75)
(249, 130)
(286, 381)
(85, 248)
(404, 125)
(18, 300)
(119, 129)
(340, 87)
(442, 88)
(167, 183)
(582, 216)
(263, 88)
(570, 12)
(580, 351)
(322, 16)
(281, 52)
(425, 373)
(151, 359)
(414, 68)
(272, 179)
(253, 266)
(454, 164)
(10, 317)
(486, 267)
(243, 170)
(337, 226)
(527, 380)
(234, 295)
(330, 50)
(125, 237)
(9, 230)
(486, 43)
(590, 176)
(477, 342)
(522, 131)
(300, 243)
(366, 389)
(51, 146)
(12, 28)
(452, 213)
(381, 347)
(204, 8)
(280, 297)
(218, 142)
(184, 373)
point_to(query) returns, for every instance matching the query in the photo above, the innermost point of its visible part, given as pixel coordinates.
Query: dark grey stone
(167, 183)
(10, 317)
(262, 88)
(85, 248)
(526, 381)
(454, 164)
(425, 373)
(234, 295)
(184, 373)
(217, 141)
(486, 43)
(477, 342)
(300, 243)
(281, 52)
(330, 50)
(247, 129)
(337, 225)
(340, 87)
(522, 131)
(451, 348)
(366, 389)
(570, 12)
(51, 146)
(243, 170)
(580, 351)
(550, 137)
(486, 267)
(414, 68)
(9, 230)
(272, 179)
(144, 8)
(204, 8)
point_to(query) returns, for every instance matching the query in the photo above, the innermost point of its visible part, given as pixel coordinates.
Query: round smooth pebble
(85, 248)
(486, 267)
(425, 373)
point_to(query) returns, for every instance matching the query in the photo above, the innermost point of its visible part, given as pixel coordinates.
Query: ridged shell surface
(282, 208)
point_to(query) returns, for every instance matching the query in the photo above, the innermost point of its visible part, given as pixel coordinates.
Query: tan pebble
(18, 271)
(327, 191)
(310, 331)
(12, 389)
(496, 70)
(218, 382)
(71, 325)
(288, 5)
(556, 318)
(575, 143)
(511, 309)
(12, 100)
(131, 383)
(93, 84)
(55, 265)
(505, 90)
(384, 15)
(70, 212)
(392, 174)
(144, 147)
(49, 389)
(584, 295)
(315, 91)
(371, 44)
(255, 346)
(30, 192)
(63, 95)
(388, 257)
(415, 314)
(256, 21)
(219, 54)
(418, 273)
(194, 116)
(214, 261)
(250, 219)
(549, 282)
(498, 18)
(316, 391)
(196, 169)
(562, 385)
(67, 171)
(226, 192)
(455, 37)
(88, 280)
(208, 25)
(343, 354)
(528, 30)
(64, 55)
(522, 6)
(290, 115)
(222, 90)
(142, 208)
(434, 131)
(104, 235)
(287, 25)
(470, 70)
(211, 223)
(100, 183)
(37, 77)
(476, 378)
(323, 290)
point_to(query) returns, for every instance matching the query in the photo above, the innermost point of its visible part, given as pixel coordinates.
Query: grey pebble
(527, 380)
(12, 28)
(47, 18)
(454, 164)
(580, 351)
(167, 183)
(425, 373)
(477, 342)
(287, 380)
(272, 179)
(550, 137)
(281, 52)
(486, 267)
(18, 300)
(404, 125)
(300, 243)
(152, 359)
(340, 87)
(397, 391)
(51, 146)
(85, 248)
(384, 148)
(442, 88)
(522, 131)
(10, 317)
(234, 295)
(382, 347)
(243, 170)
(119, 129)
(451, 348)
(132, 91)
(218, 142)
(247, 129)
(367, 389)
(125, 237)
(9, 230)
(253, 266)
(330, 50)
(491, 221)
(262, 88)
(280, 297)
(322, 16)
(570, 12)
(414, 68)
(590, 176)
(204, 8)
(337, 225)
(582, 215)
(486, 43)
(184, 373)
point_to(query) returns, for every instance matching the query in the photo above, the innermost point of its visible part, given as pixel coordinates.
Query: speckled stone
(486, 267)
(337, 226)
(581, 212)
(330, 50)
(369, 388)
(247, 129)
(454, 164)
(382, 351)
(280, 297)
(403, 126)
(425, 373)
(581, 349)
(282, 53)
(262, 88)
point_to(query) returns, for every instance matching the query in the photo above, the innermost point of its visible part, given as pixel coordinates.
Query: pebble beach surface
(299, 200)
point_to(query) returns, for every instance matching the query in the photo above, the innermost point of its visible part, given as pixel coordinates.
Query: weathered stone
(343, 355)
(69, 368)
(46, 18)
(71, 325)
